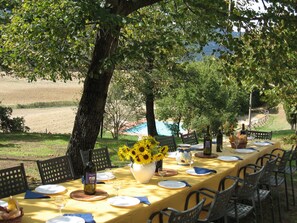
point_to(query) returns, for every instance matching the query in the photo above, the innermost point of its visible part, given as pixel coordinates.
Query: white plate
(197, 146)
(171, 155)
(66, 219)
(258, 143)
(244, 150)
(250, 138)
(3, 203)
(183, 145)
(105, 176)
(192, 172)
(50, 189)
(123, 201)
(171, 184)
(228, 158)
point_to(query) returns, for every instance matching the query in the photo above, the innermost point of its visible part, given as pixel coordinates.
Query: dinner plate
(171, 154)
(228, 158)
(3, 203)
(123, 201)
(184, 145)
(259, 143)
(192, 172)
(105, 176)
(196, 147)
(68, 219)
(50, 189)
(244, 150)
(171, 184)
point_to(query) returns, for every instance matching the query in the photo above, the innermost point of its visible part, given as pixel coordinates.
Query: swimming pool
(162, 129)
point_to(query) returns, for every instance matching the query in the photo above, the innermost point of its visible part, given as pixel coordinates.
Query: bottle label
(90, 178)
(207, 144)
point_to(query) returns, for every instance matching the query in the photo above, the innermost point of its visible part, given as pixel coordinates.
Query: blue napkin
(187, 184)
(83, 181)
(201, 170)
(251, 148)
(143, 199)
(88, 217)
(33, 195)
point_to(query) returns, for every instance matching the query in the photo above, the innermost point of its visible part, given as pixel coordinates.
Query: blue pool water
(162, 129)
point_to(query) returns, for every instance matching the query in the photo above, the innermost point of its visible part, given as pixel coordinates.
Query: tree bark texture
(150, 114)
(91, 107)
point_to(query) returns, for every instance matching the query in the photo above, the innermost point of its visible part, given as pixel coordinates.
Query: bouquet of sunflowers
(145, 151)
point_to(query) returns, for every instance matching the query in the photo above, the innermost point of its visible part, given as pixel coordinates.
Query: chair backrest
(269, 167)
(283, 159)
(100, 158)
(167, 141)
(55, 170)
(174, 216)
(188, 216)
(250, 184)
(190, 138)
(294, 155)
(219, 204)
(260, 134)
(13, 181)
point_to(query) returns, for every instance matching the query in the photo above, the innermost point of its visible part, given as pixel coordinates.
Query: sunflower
(158, 156)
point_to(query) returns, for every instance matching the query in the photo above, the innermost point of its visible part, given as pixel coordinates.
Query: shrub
(8, 124)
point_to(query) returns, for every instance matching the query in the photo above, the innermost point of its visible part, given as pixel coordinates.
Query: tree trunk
(150, 114)
(91, 107)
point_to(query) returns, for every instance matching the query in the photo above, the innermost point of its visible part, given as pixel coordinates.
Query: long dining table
(39, 210)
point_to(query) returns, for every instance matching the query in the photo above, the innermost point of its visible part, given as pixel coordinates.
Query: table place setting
(263, 143)
(123, 201)
(34, 195)
(229, 158)
(196, 147)
(66, 219)
(102, 176)
(246, 150)
(172, 184)
(51, 189)
(88, 217)
(200, 171)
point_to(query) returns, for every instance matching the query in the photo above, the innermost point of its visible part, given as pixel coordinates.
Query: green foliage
(200, 97)
(8, 124)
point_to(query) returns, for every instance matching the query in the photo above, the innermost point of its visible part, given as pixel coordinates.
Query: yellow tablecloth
(39, 210)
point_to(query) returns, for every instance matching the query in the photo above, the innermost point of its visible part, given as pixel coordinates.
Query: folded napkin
(83, 181)
(201, 170)
(33, 195)
(143, 199)
(88, 217)
(187, 184)
(238, 157)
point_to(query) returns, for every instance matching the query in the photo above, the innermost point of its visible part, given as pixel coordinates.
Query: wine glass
(162, 172)
(117, 185)
(60, 201)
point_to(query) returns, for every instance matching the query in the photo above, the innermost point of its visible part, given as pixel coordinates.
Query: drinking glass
(60, 201)
(162, 172)
(117, 185)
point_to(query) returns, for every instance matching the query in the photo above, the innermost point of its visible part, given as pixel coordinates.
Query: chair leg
(286, 191)
(255, 211)
(272, 208)
(292, 188)
(278, 205)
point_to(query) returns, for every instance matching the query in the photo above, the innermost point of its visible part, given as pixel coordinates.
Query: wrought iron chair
(260, 134)
(291, 169)
(55, 170)
(174, 216)
(190, 138)
(245, 192)
(264, 189)
(100, 157)
(13, 181)
(167, 141)
(217, 208)
(284, 157)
